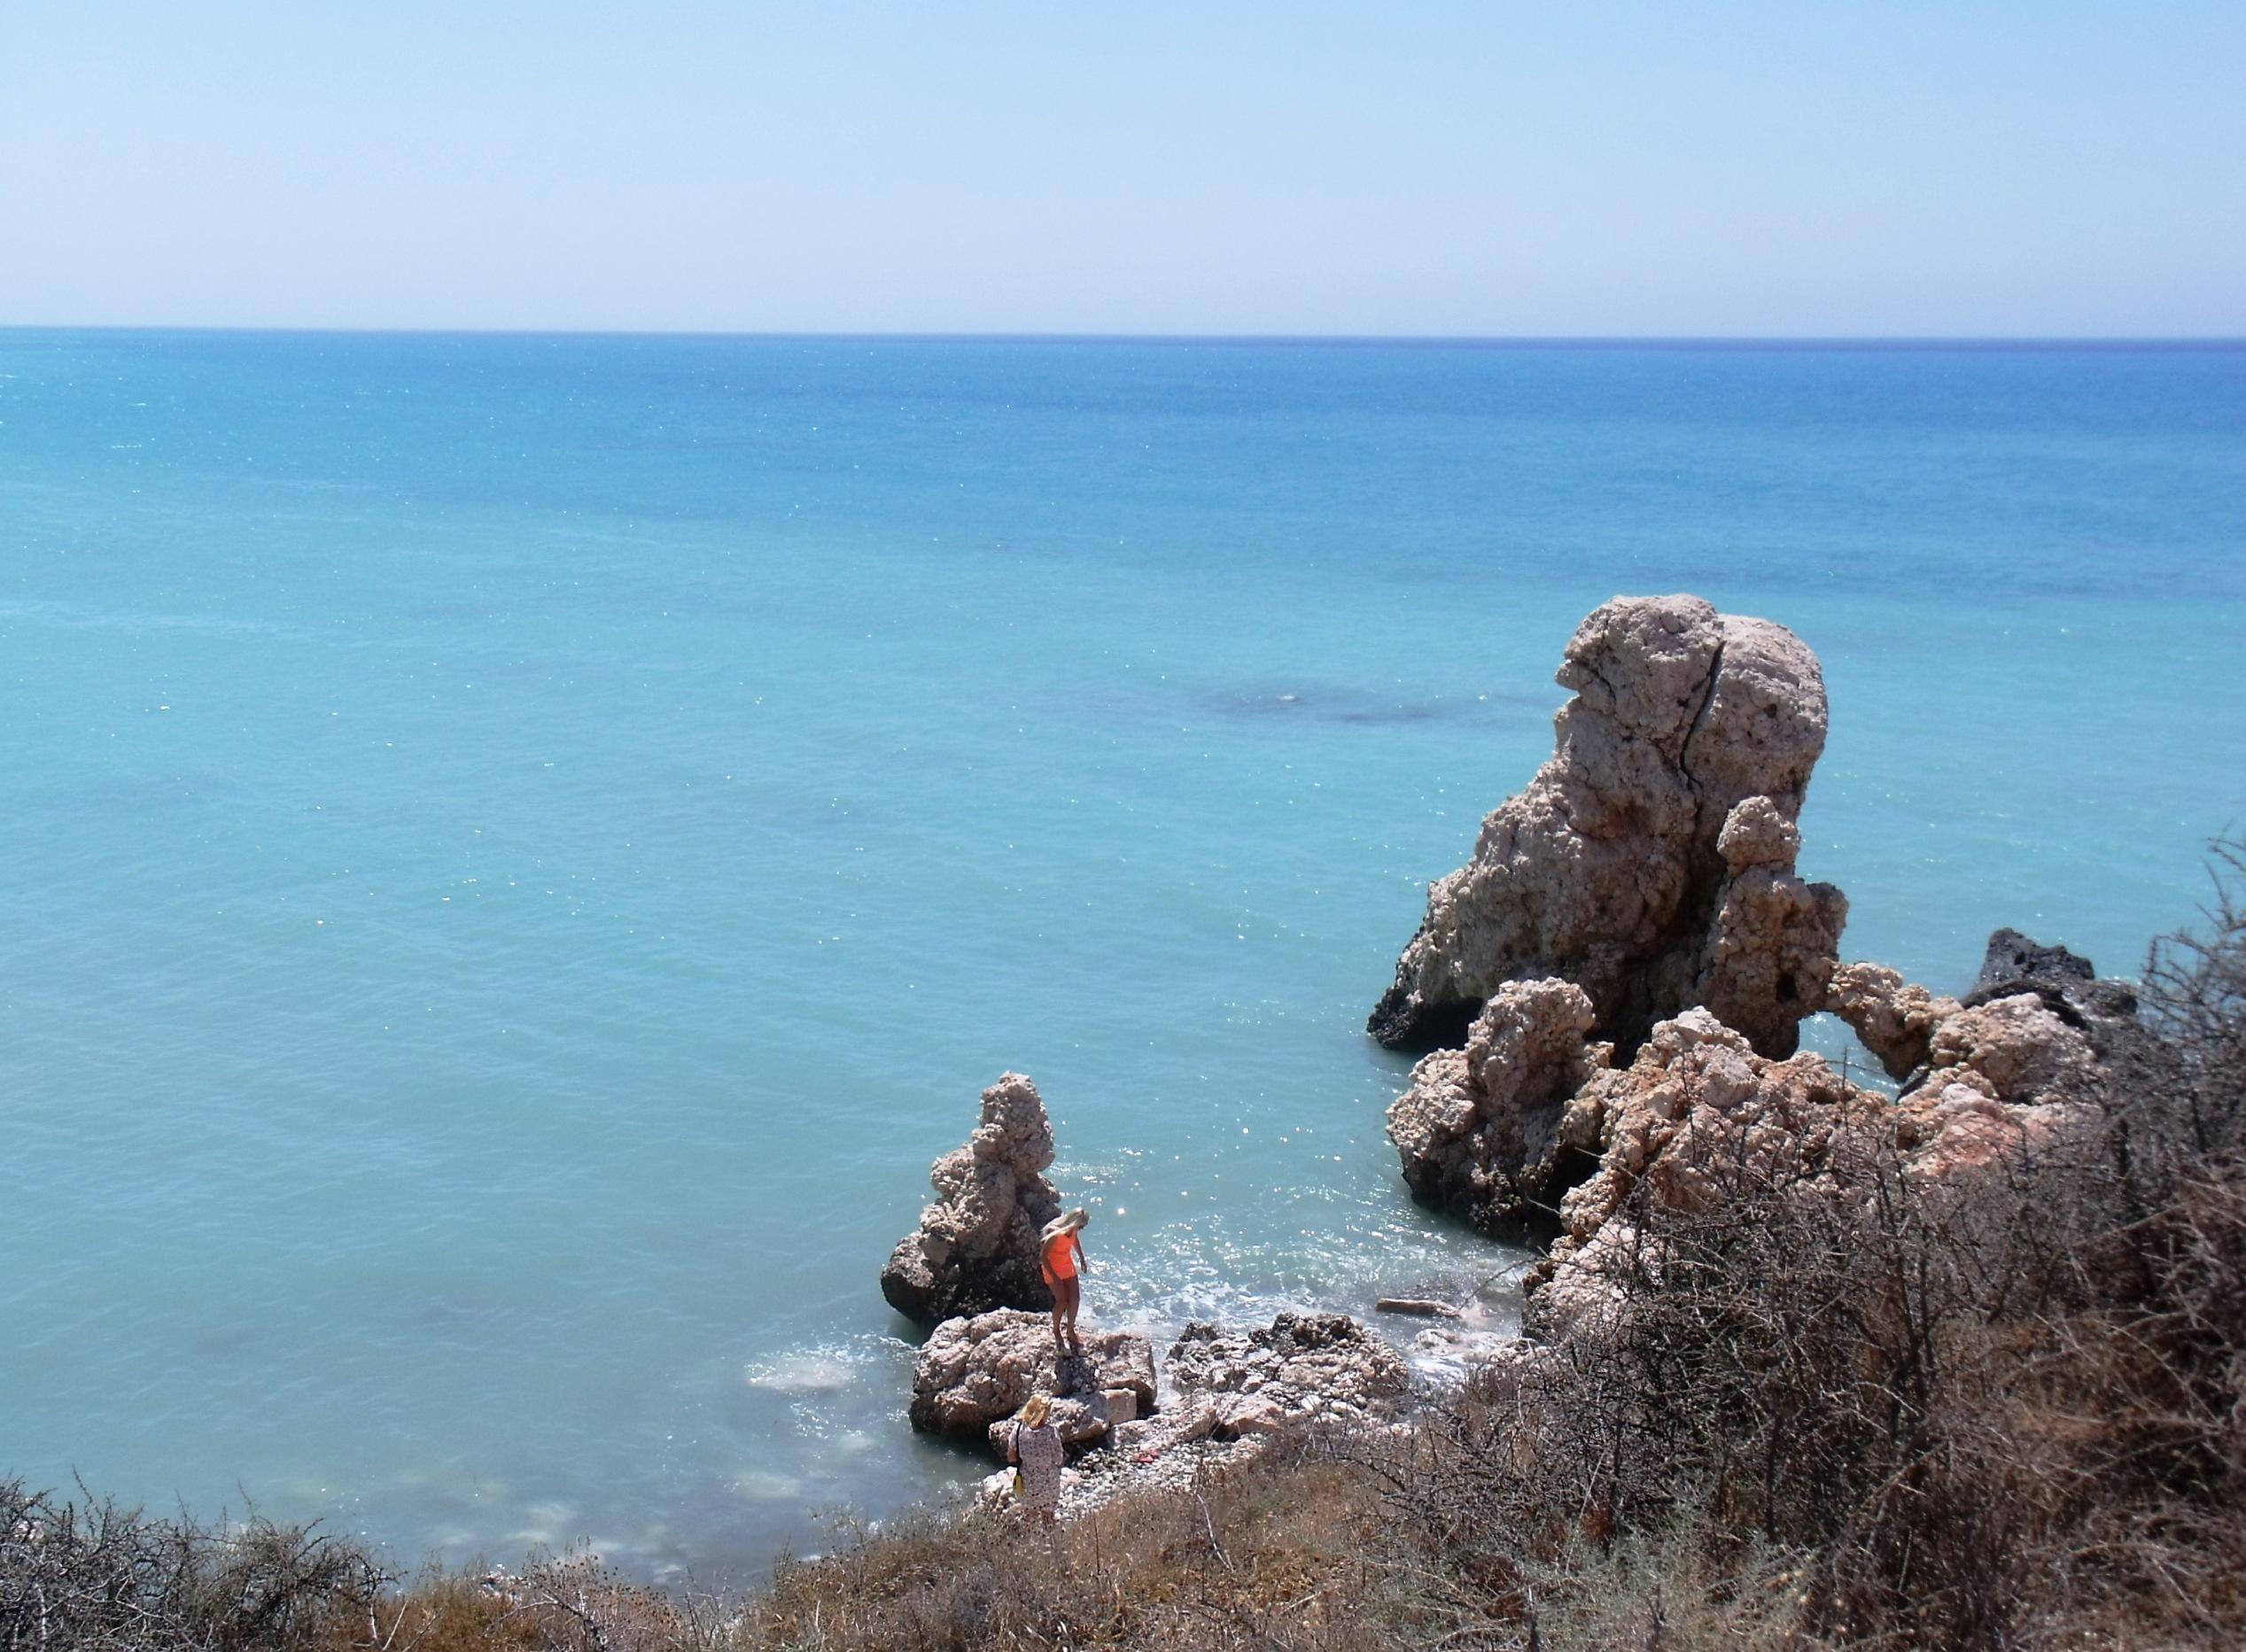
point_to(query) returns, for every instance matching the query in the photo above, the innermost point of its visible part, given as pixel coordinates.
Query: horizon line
(1735, 341)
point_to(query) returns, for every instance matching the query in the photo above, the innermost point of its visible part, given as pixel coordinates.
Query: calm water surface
(520, 850)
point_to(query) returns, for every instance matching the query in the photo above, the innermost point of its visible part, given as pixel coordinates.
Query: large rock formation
(1651, 860)
(1698, 1113)
(1493, 1133)
(977, 1246)
(975, 1372)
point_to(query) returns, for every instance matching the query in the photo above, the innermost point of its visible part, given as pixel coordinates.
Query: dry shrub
(96, 1575)
(1272, 1554)
(1989, 1410)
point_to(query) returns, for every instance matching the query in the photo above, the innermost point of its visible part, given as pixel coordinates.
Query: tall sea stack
(1650, 861)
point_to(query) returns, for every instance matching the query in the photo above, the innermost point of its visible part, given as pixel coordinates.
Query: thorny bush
(1990, 1410)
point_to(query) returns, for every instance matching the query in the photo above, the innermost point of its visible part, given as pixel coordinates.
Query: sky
(1566, 167)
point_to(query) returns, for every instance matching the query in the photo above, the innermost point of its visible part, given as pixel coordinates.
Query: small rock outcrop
(2060, 1017)
(1651, 860)
(1237, 1384)
(1894, 1018)
(976, 1371)
(977, 1246)
(1699, 1097)
(2016, 1048)
(2067, 982)
(1493, 1133)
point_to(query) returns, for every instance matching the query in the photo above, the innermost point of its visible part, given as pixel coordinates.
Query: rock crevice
(1610, 870)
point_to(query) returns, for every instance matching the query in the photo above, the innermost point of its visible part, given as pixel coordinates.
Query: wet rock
(977, 1246)
(1416, 1307)
(978, 1371)
(1610, 870)
(1491, 1132)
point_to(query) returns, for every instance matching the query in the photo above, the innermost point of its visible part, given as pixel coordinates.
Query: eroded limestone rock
(1609, 870)
(1696, 1082)
(1894, 1018)
(976, 1371)
(977, 1246)
(1492, 1132)
(2022, 1049)
(1903, 1023)
(1231, 1385)
(1699, 1116)
(1768, 956)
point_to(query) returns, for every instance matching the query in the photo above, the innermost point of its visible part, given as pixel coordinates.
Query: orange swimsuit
(1061, 1257)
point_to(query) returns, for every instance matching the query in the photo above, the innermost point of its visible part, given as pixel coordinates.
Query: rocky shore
(1126, 1418)
(1610, 996)
(1808, 1358)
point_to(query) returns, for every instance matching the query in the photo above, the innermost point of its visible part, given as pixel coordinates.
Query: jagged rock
(1953, 1127)
(1698, 1109)
(1608, 870)
(1918, 1036)
(2066, 981)
(1697, 1083)
(1894, 1018)
(1769, 955)
(972, 1372)
(977, 1246)
(1249, 1386)
(2019, 1047)
(2012, 957)
(1300, 1366)
(1489, 1132)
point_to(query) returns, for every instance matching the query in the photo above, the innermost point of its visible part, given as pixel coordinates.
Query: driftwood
(1420, 1306)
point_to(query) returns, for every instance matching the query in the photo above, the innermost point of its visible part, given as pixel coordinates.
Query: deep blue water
(519, 851)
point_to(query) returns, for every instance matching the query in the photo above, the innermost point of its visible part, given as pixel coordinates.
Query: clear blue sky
(1565, 167)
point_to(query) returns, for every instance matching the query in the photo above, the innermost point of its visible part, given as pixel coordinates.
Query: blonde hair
(1068, 1221)
(1033, 1411)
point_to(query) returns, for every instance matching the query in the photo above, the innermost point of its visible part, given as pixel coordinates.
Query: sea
(519, 851)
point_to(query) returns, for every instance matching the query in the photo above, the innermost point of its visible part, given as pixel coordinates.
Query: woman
(1062, 1256)
(1037, 1447)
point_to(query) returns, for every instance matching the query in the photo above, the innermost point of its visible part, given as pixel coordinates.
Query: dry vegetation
(1908, 1416)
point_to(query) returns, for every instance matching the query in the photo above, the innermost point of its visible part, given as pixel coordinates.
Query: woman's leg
(1072, 1294)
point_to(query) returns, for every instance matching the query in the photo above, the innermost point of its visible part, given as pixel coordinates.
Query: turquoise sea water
(520, 850)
